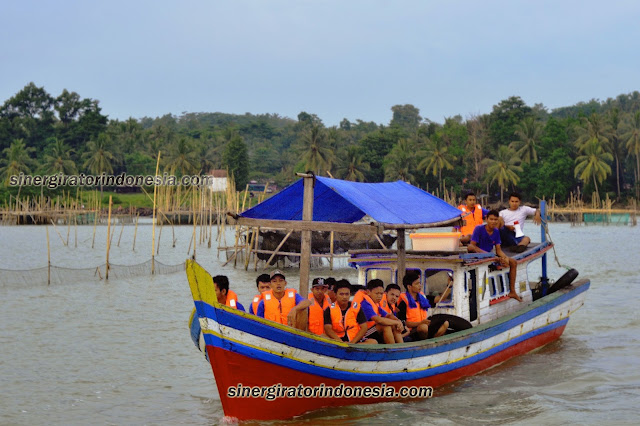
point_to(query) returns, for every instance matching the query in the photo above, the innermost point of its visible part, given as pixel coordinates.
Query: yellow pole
(48, 258)
(108, 238)
(153, 225)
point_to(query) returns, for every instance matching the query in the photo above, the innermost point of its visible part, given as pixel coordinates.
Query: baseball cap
(318, 282)
(277, 272)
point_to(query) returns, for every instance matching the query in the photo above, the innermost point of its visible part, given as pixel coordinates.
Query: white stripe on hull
(427, 361)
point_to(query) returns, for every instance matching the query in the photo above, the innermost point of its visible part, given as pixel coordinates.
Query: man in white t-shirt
(512, 224)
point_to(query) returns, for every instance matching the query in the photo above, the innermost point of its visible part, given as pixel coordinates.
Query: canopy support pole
(305, 241)
(401, 256)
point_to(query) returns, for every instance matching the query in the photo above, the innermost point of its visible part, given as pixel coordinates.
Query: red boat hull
(255, 372)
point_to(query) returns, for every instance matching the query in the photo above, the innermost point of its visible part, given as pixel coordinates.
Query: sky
(336, 59)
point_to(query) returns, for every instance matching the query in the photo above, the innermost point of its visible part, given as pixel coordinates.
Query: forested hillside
(593, 145)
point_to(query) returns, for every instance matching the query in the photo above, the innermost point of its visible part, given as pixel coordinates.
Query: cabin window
(501, 283)
(492, 286)
(383, 274)
(437, 286)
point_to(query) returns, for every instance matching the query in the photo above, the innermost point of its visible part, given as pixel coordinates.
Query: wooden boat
(265, 370)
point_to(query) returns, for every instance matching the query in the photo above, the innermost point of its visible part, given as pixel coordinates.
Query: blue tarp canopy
(347, 202)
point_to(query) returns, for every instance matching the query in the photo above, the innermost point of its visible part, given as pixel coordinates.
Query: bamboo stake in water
(108, 239)
(135, 233)
(48, 258)
(153, 225)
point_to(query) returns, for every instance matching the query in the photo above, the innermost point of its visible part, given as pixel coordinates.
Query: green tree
(594, 128)
(528, 133)
(58, 160)
(351, 165)
(406, 116)
(400, 163)
(98, 157)
(593, 164)
(317, 155)
(236, 159)
(16, 160)
(504, 169)
(616, 142)
(375, 146)
(504, 118)
(435, 158)
(632, 138)
(182, 158)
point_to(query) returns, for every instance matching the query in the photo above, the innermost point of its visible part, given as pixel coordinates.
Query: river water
(119, 352)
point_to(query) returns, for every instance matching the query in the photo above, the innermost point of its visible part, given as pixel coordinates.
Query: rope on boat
(553, 246)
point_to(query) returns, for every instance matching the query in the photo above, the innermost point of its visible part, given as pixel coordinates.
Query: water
(92, 352)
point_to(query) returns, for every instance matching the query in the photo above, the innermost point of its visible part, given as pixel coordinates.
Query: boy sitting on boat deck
(511, 223)
(341, 321)
(263, 282)
(487, 237)
(412, 310)
(319, 302)
(283, 305)
(224, 295)
(382, 325)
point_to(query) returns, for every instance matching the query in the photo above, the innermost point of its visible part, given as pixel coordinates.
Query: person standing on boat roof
(487, 237)
(342, 322)
(382, 325)
(224, 295)
(413, 310)
(511, 223)
(319, 302)
(473, 215)
(263, 282)
(283, 305)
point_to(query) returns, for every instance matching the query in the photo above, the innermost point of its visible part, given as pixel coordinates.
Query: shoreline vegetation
(584, 156)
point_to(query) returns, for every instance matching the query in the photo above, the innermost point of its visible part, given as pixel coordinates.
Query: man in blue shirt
(487, 237)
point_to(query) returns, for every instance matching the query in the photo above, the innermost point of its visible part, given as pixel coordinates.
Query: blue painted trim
(368, 377)
(382, 352)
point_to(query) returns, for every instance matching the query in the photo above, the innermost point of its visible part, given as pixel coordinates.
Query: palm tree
(595, 128)
(593, 164)
(351, 165)
(98, 158)
(16, 160)
(400, 162)
(317, 155)
(435, 158)
(528, 132)
(616, 142)
(632, 138)
(182, 158)
(59, 160)
(503, 168)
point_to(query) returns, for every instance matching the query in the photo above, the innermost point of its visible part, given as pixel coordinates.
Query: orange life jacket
(384, 303)
(356, 304)
(316, 314)
(472, 220)
(277, 310)
(256, 301)
(357, 300)
(416, 314)
(232, 299)
(341, 323)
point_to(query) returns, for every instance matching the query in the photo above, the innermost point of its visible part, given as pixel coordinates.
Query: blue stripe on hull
(383, 353)
(369, 377)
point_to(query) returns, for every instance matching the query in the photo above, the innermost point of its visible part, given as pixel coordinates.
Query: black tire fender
(563, 281)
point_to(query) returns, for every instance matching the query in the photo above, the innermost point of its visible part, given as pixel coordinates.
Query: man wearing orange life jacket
(341, 322)
(382, 325)
(412, 310)
(472, 214)
(263, 282)
(224, 295)
(319, 302)
(390, 298)
(283, 305)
